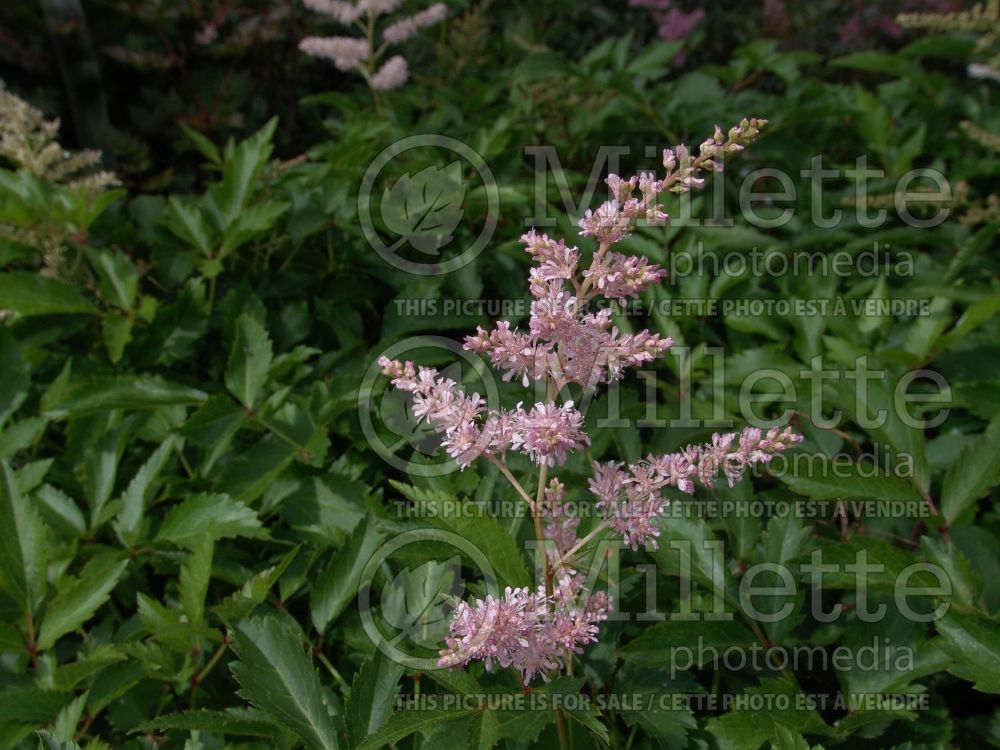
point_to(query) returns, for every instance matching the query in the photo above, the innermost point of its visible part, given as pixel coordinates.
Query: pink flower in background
(775, 18)
(391, 75)
(867, 19)
(677, 24)
(362, 53)
(404, 28)
(346, 52)
(888, 26)
(378, 7)
(343, 12)
(672, 23)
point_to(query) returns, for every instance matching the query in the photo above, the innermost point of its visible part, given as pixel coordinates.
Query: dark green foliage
(189, 501)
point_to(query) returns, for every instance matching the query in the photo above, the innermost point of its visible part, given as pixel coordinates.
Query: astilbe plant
(48, 193)
(31, 143)
(982, 19)
(537, 631)
(362, 54)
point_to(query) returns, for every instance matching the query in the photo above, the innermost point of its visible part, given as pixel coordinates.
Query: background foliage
(186, 491)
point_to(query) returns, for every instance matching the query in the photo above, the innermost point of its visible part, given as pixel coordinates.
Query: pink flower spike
(526, 630)
(403, 29)
(346, 52)
(391, 75)
(548, 432)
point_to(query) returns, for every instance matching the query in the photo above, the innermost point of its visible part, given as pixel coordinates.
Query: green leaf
(336, 586)
(242, 603)
(205, 147)
(663, 711)
(140, 490)
(243, 165)
(876, 62)
(974, 316)
(249, 224)
(523, 727)
(783, 541)
(214, 421)
(15, 381)
(68, 676)
(945, 46)
(245, 722)
(251, 473)
(32, 704)
(880, 401)
(60, 510)
(425, 209)
(79, 599)
(129, 392)
(22, 545)
(29, 294)
(65, 725)
(21, 435)
(492, 539)
(973, 641)
(973, 474)
(217, 516)
(885, 562)
(965, 584)
(689, 548)
(872, 119)
(852, 484)
(249, 361)
(743, 527)
(749, 728)
(372, 693)
(902, 653)
(927, 329)
(112, 683)
(460, 683)
(119, 277)
(481, 731)
(589, 718)
(49, 742)
(788, 739)
(195, 575)
(278, 677)
(972, 247)
(654, 60)
(214, 424)
(480, 529)
(416, 604)
(659, 644)
(404, 723)
(100, 471)
(117, 332)
(187, 222)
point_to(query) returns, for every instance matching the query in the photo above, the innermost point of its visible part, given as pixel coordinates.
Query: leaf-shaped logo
(416, 602)
(425, 209)
(395, 410)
